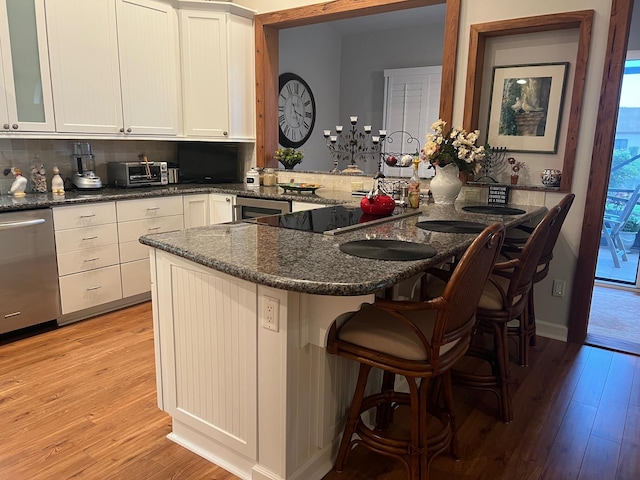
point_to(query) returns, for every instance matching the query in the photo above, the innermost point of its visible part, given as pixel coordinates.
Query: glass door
(25, 67)
(619, 252)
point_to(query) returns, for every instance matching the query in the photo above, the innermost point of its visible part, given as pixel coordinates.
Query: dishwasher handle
(22, 224)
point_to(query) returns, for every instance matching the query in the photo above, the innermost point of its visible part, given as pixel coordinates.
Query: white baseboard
(552, 330)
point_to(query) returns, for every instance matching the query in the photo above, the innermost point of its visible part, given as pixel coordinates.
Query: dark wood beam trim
(582, 292)
(449, 56)
(337, 10)
(266, 93)
(477, 42)
(267, 26)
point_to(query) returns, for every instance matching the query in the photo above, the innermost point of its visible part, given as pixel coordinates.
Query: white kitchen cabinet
(88, 260)
(261, 403)
(85, 290)
(213, 328)
(146, 208)
(26, 103)
(208, 209)
(137, 218)
(196, 210)
(136, 278)
(114, 66)
(221, 208)
(218, 73)
(129, 233)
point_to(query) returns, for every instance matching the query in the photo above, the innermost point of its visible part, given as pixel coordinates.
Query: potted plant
(515, 169)
(289, 157)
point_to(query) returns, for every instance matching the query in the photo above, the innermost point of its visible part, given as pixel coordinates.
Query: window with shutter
(411, 105)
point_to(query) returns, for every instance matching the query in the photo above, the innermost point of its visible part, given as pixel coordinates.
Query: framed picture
(525, 108)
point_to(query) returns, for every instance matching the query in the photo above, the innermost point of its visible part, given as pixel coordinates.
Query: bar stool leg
(532, 317)
(384, 412)
(448, 402)
(354, 416)
(504, 374)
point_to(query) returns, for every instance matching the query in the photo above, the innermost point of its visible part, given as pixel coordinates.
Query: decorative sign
(498, 195)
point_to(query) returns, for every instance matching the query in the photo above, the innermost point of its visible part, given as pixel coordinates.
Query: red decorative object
(391, 160)
(378, 205)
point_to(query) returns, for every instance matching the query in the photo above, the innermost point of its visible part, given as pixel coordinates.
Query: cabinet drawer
(84, 215)
(133, 250)
(133, 230)
(148, 208)
(88, 237)
(136, 277)
(88, 259)
(88, 289)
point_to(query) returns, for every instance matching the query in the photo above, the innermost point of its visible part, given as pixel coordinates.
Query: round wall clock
(296, 110)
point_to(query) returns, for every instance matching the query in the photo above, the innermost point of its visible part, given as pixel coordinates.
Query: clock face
(296, 111)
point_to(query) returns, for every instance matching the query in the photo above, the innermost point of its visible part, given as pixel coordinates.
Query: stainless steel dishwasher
(28, 269)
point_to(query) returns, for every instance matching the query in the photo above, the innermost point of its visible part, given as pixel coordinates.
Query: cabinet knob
(129, 130)
(14, 126)
(225, 133)
(122, 130)
(6, 126)
(228, 200)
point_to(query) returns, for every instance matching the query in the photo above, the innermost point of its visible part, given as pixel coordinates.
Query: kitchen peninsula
(240, 318)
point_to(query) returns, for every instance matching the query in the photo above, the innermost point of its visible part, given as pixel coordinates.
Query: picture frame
(526, 106)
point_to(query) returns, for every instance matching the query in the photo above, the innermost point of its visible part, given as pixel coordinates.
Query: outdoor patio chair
(614, 222)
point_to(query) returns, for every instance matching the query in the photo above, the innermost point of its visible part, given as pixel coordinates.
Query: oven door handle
(237, 213)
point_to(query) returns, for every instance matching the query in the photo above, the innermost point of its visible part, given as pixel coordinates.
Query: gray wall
(346, 74)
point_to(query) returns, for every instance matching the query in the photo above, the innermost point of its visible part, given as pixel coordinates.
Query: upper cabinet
(25, 91)
(218, 85)
(114, 66)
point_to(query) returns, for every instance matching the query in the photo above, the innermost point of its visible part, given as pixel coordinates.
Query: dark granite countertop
(45, 200)
(313, 263)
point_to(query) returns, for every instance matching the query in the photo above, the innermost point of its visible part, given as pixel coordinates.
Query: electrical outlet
(270, 313)
(558, 288)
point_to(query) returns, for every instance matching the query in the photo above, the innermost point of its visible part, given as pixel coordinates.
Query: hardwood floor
(615, 328)
(80, 402)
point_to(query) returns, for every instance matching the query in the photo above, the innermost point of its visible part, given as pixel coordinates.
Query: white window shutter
(411, 104)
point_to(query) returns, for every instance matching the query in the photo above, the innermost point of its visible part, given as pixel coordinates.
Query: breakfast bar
(241, 312)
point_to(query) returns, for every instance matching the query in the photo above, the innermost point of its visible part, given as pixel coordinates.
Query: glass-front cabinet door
(26, 104)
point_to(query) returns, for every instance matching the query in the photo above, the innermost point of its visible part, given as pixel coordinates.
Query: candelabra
(494, 156)
(352, 144)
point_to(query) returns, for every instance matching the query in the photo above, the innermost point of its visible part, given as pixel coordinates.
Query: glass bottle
(414, 186)
(270, 177)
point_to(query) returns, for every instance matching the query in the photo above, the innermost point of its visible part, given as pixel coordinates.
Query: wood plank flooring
(80, 402)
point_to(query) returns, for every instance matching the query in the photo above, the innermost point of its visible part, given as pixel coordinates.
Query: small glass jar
(270, 177)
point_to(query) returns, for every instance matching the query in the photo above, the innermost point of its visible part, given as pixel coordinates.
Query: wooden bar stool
(420, 341)
(525, 330)
(503, 300)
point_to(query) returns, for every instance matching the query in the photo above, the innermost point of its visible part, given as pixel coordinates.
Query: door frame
(617, 41)
(268, 25)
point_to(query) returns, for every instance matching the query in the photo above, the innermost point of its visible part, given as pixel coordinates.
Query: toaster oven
(137, 174)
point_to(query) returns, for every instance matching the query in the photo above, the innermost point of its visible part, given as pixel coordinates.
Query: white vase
(446, 185)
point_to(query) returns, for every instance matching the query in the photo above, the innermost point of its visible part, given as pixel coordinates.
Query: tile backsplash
(25, 153)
